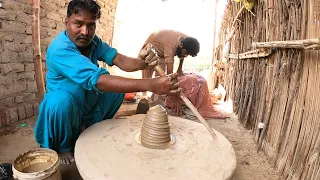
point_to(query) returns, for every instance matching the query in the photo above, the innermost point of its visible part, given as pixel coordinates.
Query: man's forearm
(129, 64)
(169, 68)
(180, 64)
(138, 65)
(110, 83)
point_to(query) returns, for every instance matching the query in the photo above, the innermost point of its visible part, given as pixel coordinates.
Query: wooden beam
(298, 44)
(258, 53)
(37, 48)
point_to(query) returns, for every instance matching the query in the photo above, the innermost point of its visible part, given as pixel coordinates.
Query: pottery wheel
(109, 150)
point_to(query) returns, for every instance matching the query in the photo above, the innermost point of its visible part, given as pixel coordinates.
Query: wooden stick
(190, 105)
(299, 44)
(233, 26)
(237, 16)
(250, 54)
(37, 49)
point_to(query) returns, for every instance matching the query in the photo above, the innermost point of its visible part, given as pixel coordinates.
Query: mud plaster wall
(18, 90)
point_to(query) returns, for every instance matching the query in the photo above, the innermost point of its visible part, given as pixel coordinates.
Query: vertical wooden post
(212, 76)
(214, 35)
(37, 48)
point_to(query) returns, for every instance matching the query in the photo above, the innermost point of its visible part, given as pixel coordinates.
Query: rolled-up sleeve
(70, 63)
(105, 52)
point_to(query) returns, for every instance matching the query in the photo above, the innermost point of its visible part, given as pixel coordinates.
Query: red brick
(6, 36)
(2, 91)
(22, 113)
(29, 110)
(48, 6)
(62, 12)
(25, 97)
(32, 86)
(23, 39)
(25, 1)
(12, 46)
(13, 89)
(25, 76)
(12, 5)
(48, 23)
(4, 117)
(54, 16)
(31, 97)
(60, 26)
(29, 30)
(43, 14)
(35, 109)
(9, 101)
(24, 18)
(26, 56)
(28, 9)
(29, 67)
(13, 115)
(14, 26)
(53, 32)
(9, 56)
(0, 121)
(11, 67)
(7, 79)
(61, 3)
(7, 15)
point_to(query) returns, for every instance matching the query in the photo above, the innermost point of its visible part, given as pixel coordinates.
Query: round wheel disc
(109, 150)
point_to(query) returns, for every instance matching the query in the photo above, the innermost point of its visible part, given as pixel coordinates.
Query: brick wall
(18, 90)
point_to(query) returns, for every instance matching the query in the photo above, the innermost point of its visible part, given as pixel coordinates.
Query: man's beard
(179, 52)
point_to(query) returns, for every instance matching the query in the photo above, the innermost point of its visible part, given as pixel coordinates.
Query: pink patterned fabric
(195, 88)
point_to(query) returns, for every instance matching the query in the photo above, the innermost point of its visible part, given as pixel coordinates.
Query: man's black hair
(90, 5)
(192, 45)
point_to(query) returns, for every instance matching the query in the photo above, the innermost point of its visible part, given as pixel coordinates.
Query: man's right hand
(149, 56)
(166, 84)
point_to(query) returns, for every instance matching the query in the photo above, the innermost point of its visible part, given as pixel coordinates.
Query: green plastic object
(23, 124)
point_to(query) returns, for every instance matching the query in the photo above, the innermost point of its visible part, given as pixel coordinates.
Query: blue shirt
(73, 72)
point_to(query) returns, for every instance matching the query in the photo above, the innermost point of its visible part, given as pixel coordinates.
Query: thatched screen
(278, 93)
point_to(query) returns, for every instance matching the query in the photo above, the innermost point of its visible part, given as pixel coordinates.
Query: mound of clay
(155, 132)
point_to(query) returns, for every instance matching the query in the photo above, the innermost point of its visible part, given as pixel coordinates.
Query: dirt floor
(250, 164)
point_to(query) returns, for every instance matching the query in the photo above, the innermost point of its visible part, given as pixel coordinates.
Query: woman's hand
(176, 104)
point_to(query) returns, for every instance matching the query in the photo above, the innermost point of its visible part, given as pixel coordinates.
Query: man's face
(81, 28)
(181, 53)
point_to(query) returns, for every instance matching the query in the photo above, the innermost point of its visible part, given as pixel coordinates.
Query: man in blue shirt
(79, 93)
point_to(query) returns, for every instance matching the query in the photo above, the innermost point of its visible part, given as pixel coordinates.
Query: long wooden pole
(258, 53)
(214, 36)
(299, 44)
(37, 49)
(190, 105)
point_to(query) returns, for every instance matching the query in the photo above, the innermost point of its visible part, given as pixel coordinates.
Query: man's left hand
(180, 72)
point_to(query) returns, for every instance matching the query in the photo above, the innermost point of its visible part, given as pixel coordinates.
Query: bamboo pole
(37, 49)
(214, 36)
(214, 50)
(299, 44)
(190, 105)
